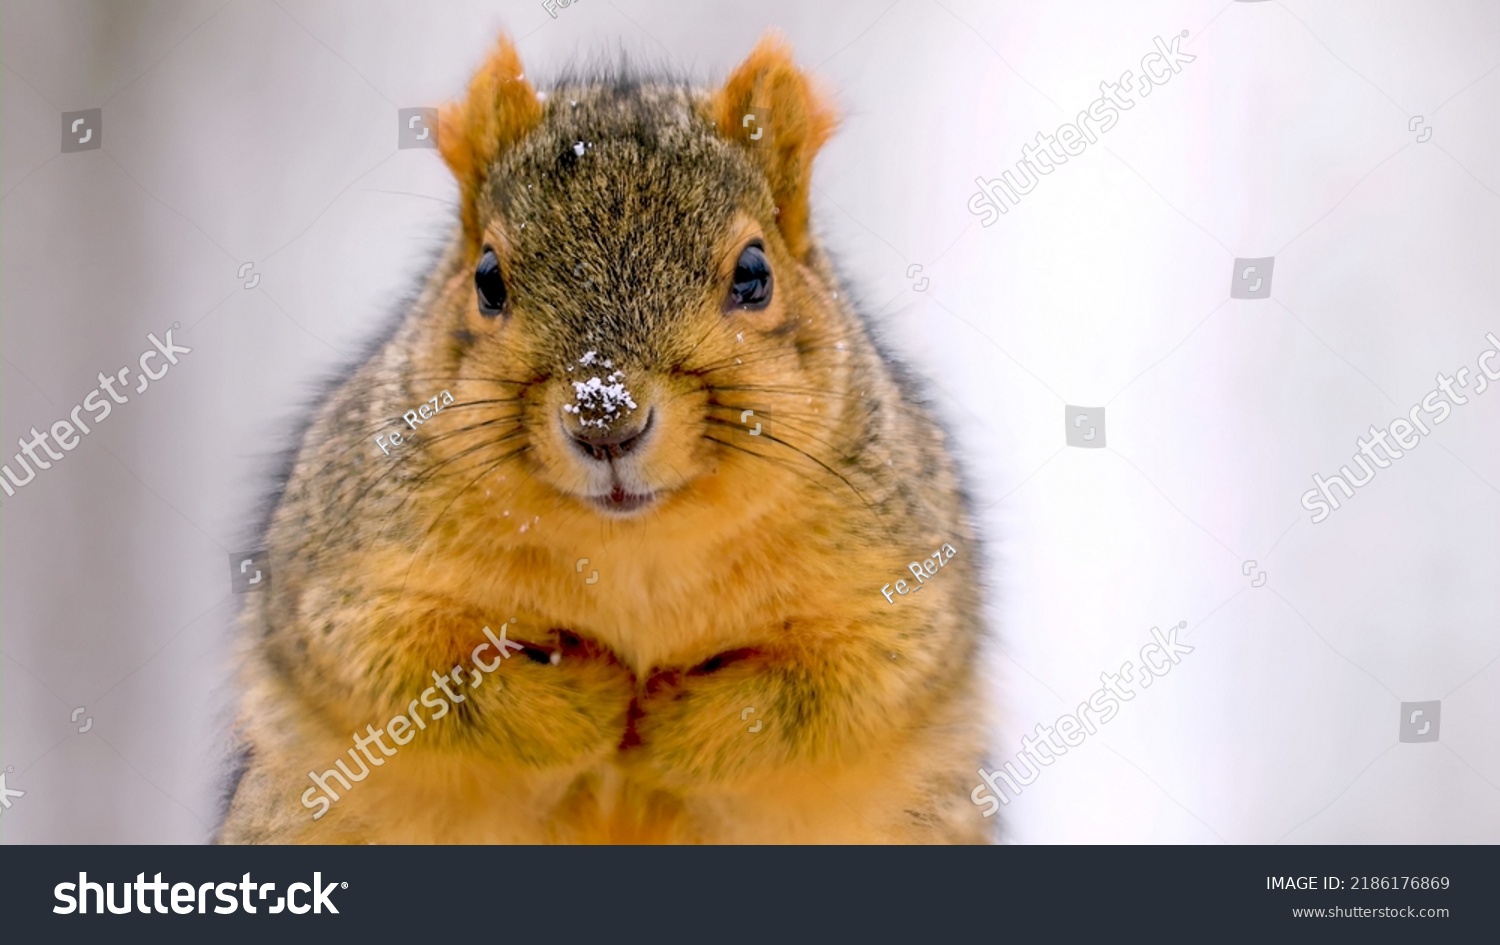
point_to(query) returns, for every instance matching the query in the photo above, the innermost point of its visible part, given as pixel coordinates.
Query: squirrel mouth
(619, 500)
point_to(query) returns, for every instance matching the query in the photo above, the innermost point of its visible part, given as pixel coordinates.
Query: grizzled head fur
(635, 275)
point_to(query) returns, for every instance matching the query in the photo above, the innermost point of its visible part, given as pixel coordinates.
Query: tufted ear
(499, 108)
(773, 109)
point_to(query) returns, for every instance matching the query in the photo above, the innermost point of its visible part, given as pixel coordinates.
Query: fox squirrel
(632, 352)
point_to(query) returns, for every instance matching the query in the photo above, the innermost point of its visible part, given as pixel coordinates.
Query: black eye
(752, 279)
(488, 284)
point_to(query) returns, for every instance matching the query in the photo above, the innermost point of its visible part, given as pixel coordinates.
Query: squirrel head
(636, 309)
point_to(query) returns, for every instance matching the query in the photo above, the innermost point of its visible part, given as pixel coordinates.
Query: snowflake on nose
(601, 399)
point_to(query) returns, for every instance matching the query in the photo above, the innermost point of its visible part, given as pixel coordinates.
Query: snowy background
(265, 133)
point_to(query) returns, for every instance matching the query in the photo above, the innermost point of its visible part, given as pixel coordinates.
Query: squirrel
(638, 543)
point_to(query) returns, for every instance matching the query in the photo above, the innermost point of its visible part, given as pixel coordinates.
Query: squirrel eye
(751, 288)
(488, 284)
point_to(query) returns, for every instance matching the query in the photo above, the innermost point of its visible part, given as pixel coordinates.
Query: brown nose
(603, 444)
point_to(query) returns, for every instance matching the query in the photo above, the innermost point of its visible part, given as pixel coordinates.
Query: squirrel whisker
(741, 360)
(441, 515)
(362, 431)
(829, 469)
(424, 475)
(432, 474)
(791, 391)
(794, 468)
(440, 379)
(781, 418)
(381, 423)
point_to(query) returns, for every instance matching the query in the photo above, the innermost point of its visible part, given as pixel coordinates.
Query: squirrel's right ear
(774, 109)
(498, 110)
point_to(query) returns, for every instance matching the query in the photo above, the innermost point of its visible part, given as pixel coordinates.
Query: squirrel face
(636, 284)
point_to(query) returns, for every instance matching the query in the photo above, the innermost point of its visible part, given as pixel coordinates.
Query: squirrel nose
(603, 444)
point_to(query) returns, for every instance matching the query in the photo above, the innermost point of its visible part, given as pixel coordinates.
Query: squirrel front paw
(540, 697)
(560, 698)
(711, 722)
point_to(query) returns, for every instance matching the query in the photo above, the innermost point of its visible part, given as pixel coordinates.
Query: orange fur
(500, 107)
(801, 121)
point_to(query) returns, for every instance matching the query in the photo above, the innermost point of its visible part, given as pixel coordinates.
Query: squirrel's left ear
(772, 108)
(498, 110)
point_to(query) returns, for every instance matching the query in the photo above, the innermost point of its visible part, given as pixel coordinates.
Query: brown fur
(752, 582)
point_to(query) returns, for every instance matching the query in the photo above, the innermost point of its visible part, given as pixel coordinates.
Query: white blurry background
(266, 133)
